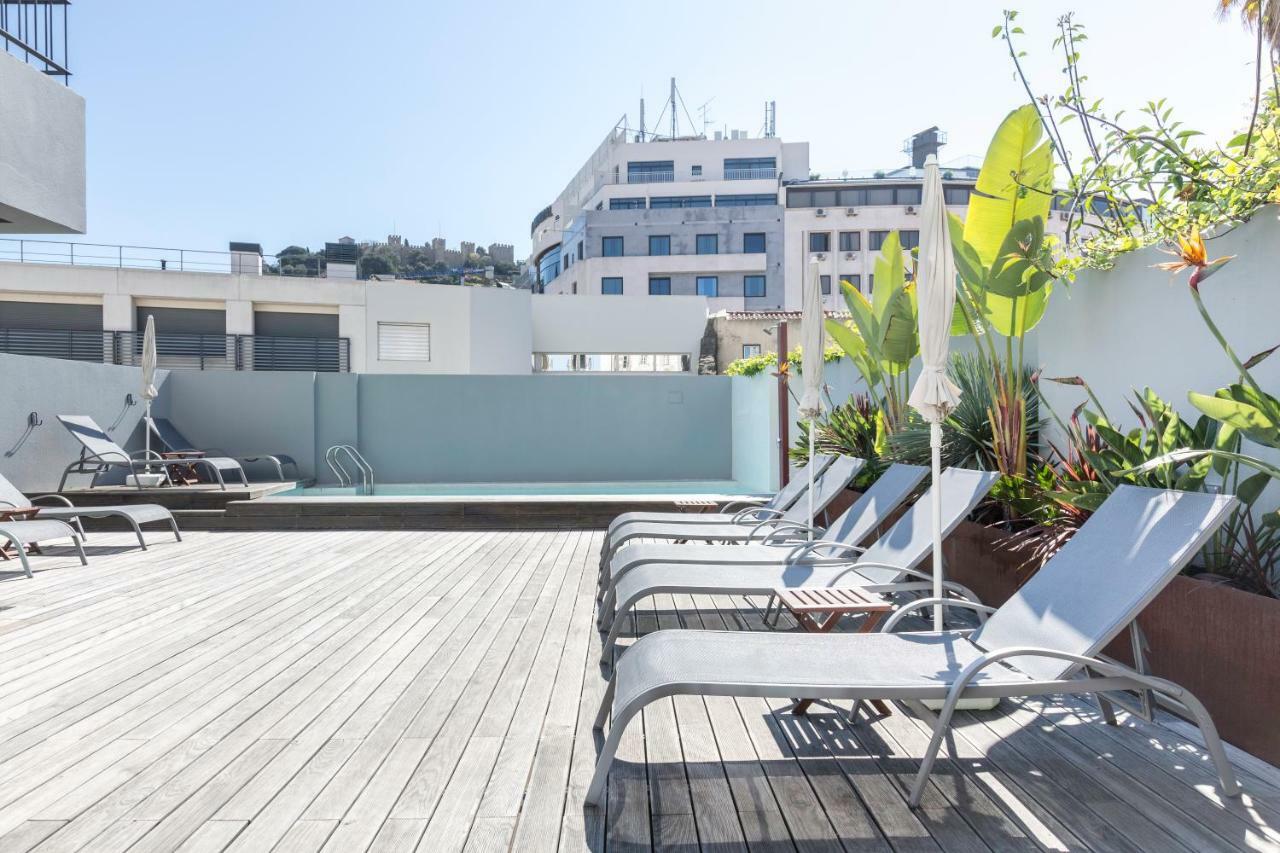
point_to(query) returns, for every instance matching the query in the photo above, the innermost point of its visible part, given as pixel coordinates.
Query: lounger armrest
(57, 498)
(757, 513)
(831, 545)
(1107, 669)
(783, 529)
(907, 609)
(741, 505)
(146, 456)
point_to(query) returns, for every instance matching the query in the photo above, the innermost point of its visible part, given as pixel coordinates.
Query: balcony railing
(184, 351)
(150, 258)
(650, 177)
(35, 31)
(750, 174)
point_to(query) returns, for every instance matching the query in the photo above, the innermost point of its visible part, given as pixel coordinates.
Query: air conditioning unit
(910, 209)
(819, 256)
(822, 211)
(848, 256)
(851, 211)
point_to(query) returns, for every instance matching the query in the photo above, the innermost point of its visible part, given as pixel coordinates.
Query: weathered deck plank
(361, 691)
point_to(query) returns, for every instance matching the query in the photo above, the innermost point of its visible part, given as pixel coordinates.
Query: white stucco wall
(619, 324)
(42, 171)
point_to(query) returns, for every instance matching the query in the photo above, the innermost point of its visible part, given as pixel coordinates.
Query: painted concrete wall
(42, 173)
(623, 324)
(33, 458)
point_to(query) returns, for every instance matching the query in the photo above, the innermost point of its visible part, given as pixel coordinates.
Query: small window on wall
(850, 241)
(660, 245)
(820, 241)
(404, 341)
(697, 171)
(753, 243)
(854, 280)
(659, 287)
(708, 285)
(750, 350)
(753, 286)
(611, 247)
(708, 244)
(611, 286)
(824, 282)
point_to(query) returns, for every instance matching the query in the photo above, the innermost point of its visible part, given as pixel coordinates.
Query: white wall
(42, 174)
(1136, 326)
(622, 324)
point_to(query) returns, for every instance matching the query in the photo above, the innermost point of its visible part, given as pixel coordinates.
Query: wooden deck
(393, 691)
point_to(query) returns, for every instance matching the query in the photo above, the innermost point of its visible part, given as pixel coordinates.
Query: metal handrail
(362, 464)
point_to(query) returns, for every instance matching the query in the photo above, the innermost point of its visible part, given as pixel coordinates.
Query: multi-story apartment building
(685, 216)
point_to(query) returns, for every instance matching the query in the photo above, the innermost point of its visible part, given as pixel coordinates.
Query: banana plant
(882, 338)
(1006, 269)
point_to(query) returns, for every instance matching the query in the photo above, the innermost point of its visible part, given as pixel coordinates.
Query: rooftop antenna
(673, 108)
(773, 119)
(705, 114)
(640, 133)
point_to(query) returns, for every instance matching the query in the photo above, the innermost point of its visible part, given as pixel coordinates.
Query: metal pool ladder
(334, 455)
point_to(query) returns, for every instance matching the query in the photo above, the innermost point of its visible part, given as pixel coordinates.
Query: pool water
(710, 488)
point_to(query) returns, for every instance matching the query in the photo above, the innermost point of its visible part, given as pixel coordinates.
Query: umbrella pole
(935, 446)
(810, 467)
(146, 431)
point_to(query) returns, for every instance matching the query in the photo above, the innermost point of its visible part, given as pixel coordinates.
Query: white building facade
(671, 217)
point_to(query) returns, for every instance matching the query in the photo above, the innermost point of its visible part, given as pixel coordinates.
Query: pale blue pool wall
(487, 428)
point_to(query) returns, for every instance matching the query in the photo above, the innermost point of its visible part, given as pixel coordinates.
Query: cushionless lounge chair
(826, 488)
(737, 511)
(135, 515)
(1044, 640)
(217, 467)
(890, 565)
(23, 533)
(174, 441)
(99, 452)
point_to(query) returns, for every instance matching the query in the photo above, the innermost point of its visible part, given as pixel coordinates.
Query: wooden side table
(818, 610)
(696, 506)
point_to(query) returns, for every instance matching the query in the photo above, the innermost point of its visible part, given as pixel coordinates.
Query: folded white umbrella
(812, 343)
(934, 395)
(149, 391)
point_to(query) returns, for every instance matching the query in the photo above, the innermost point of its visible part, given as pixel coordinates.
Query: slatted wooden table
(696, 506)
(818, 610)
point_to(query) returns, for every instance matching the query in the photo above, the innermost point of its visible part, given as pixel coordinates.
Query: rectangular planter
(1219, 642)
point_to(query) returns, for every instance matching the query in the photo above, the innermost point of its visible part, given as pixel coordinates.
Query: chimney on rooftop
(246, 258)
(340, 259)
(923, 144)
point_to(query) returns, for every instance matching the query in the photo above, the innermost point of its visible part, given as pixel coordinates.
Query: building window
(850, 241)
(627, 203)
(549, 266)
(852, 279)
(659, 287)
(852, 198)
(708, 244)
(708, 285)
(751, 350)
(910, 239)
(820, 241)
(611, 362)
(579, 250)
(753, 286)
(753, 200)
(956, 195)
(611, 286)
(799, 198)
(753, 244)
(750, 168)
(404, 341)
(574, 288)
(877, 240)
(824, 281)
(661, 202)
(611, 247)
(880, 195)
(651, 172)
(908, 195)
(660, 245)
(871, 283)
(697, 171)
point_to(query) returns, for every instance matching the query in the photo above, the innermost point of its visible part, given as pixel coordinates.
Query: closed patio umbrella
(812, 345)
(934, 395)
(149, 391)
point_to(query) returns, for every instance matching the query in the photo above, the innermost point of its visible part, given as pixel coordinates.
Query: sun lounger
(23, 533)
(173, 441)
(827, 487)
(890, 565)
(1044, 640)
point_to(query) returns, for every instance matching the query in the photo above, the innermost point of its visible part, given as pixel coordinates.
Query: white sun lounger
(1044, 640)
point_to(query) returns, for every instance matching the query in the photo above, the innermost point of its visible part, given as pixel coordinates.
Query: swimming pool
(720, 489)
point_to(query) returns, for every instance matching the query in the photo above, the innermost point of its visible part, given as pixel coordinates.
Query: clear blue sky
(297, 121)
